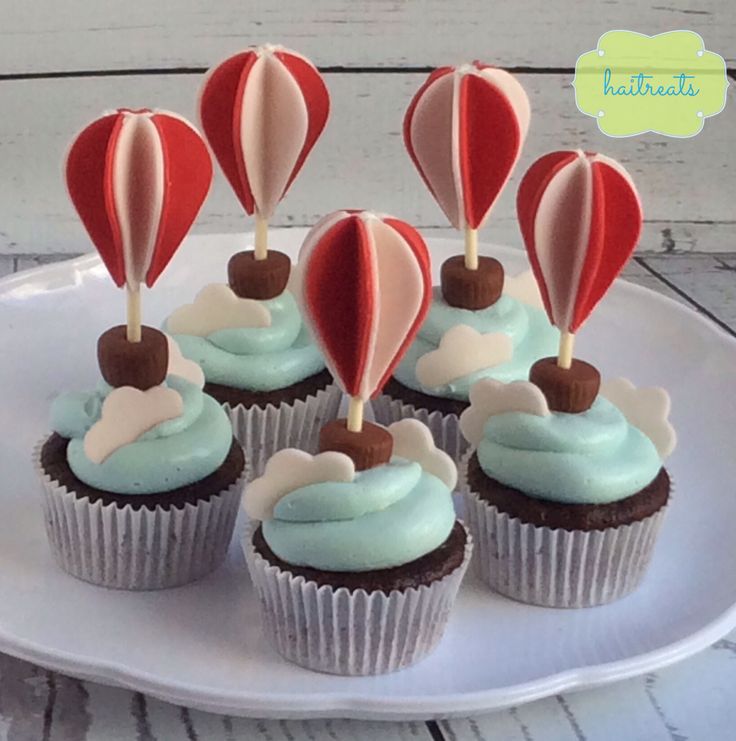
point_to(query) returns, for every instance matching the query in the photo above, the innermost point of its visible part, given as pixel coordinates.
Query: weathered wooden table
(61, 64)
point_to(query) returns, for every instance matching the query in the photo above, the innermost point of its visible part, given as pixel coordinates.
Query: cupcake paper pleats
(262, 111)
(580, 216)
(138, 180)
(464, 131)
(366, 288)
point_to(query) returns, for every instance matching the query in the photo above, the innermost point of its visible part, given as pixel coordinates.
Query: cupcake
(258, 358)
(566, 485)
(464, 131)
(355, 553)
(142, 476)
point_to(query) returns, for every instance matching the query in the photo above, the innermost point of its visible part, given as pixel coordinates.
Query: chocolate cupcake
(464, 131)
(262, 111)
(357, 571)
(358, 557)
(141, 487)
(565, 507)
(141, 477)
(567, 490)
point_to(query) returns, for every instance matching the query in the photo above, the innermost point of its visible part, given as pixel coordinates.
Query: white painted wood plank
(360, 162)
(712, 282)
(46, 35)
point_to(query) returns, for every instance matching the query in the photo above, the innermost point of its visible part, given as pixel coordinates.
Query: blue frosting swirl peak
(593, 457)
(174, 453)
(386, 517)
(529, 329)
(257, 358)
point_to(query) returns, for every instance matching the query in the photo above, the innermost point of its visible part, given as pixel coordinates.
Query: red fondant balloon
(138, 180)
(366, 288)
(580, 217)
(464, 131)
(262, 111)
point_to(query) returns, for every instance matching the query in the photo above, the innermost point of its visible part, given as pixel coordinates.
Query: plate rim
(355, 705)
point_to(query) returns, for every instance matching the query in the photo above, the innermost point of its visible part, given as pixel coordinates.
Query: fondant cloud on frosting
(217, 307)
(489, 397)
(126, 414)
(524, 288)
(181, 366)
(413, 441)
(291, 469)
(462, 351)
(647, 409)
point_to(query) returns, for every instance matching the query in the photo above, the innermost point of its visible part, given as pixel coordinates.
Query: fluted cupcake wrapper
(137, 549)
(445, 427)
(351, 632)
(264, 431)
(554, 567)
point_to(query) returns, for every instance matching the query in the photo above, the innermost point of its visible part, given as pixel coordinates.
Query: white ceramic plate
(201, 645)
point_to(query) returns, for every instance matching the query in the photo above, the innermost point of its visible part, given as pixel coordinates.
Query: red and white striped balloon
(138, 179)
(580, 216)
(464, 131)
(366, 287)
(262, 111)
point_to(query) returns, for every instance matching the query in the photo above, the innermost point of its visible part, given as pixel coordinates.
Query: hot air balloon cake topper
(366, 288)
(262, 111)
(464, 130)
(581, 217)
(137, 179)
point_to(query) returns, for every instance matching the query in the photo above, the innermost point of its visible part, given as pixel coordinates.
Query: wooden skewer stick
(261, 238)
(564, 356)
(133, 319)
(471, 248)
(355, 414)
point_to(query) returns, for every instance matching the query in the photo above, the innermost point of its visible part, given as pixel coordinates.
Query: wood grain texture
(112, 34)
(360, 161)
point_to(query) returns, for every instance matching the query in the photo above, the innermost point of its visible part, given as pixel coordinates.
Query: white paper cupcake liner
(125, 548)
(445, 427)
(350, 632)
(263, 432)
(555, 567)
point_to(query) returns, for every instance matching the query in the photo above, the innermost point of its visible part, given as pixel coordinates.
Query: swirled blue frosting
(175, 453)
(531, 333)
(257, 358)
(589, 458)
(386, 517)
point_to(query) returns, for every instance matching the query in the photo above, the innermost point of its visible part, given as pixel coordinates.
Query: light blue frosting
(531, 333)
(175, 453)
(257, 358)
(592, 457)
(386, 517)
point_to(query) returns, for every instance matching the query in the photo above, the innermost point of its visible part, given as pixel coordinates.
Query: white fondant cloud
(127, 413)
(462, 351)
(647, 409)
(489, 397)
(413, 441)
(291, 469)
(217, 307)
(181, 366)
(524, 288)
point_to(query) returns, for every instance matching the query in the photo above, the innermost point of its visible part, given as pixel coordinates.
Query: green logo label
(668, 84)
